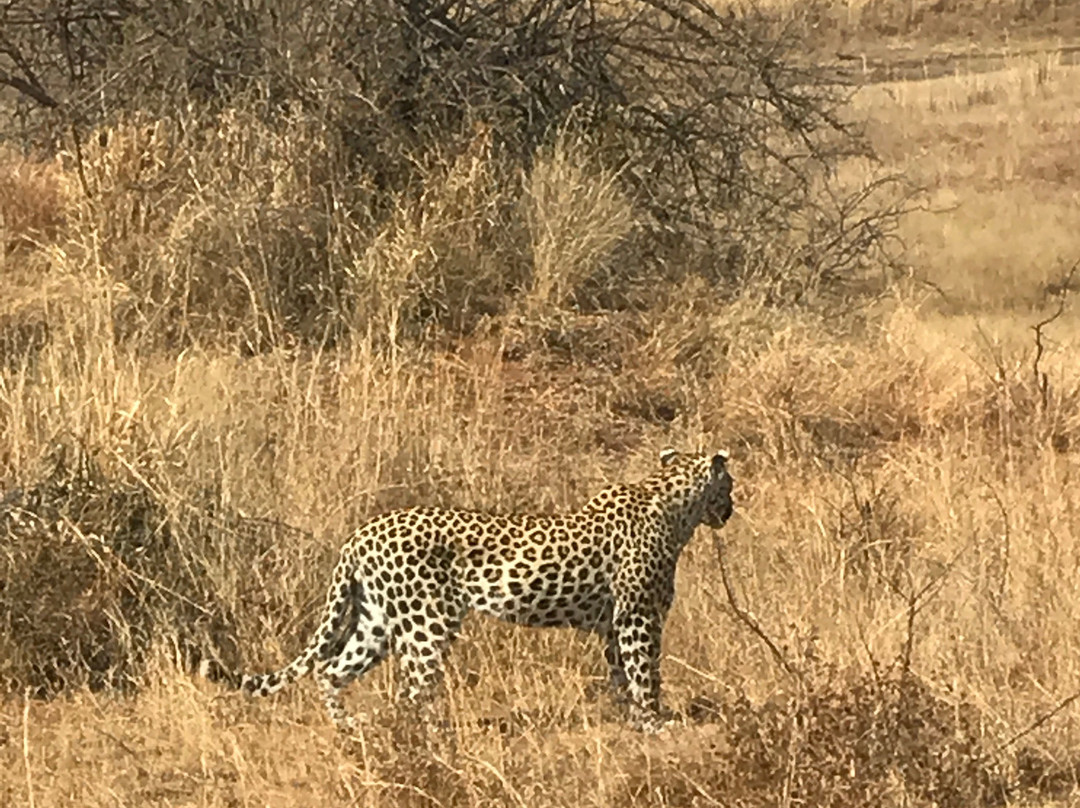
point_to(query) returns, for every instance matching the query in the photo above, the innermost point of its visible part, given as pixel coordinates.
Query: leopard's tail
(344, 607)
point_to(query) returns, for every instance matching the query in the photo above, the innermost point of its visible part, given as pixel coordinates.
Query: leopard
(405, 581)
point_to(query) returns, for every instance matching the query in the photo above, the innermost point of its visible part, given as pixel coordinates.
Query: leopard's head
(706, 478)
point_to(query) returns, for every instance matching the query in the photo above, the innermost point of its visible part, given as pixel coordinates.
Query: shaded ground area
(99, 572)
(881, 64)
(897, 41)
(921, 26)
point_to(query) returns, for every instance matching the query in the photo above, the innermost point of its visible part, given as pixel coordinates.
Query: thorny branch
(1042, 382)
(727, 137)
(746, 617)
(28, 88)
(1062, 705)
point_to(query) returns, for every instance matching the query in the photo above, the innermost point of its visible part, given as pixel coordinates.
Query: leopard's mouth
(717, 517)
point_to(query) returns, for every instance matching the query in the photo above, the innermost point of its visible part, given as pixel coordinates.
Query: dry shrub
(873, 528)
(577, 217)
(791, 392)
(1020, 405)
(807, 397)
(96, 575)
(765, 377)
(450, 254)
(219, 225)
(866, 742)
(33, 202)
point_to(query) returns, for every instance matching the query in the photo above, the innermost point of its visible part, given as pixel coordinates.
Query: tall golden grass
(906, 489)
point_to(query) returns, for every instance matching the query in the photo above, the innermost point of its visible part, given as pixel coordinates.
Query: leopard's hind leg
(364, 647)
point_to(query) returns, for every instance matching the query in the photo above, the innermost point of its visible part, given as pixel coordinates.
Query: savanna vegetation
(270, 268)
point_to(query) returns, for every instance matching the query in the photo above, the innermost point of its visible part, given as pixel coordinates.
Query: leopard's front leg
(638, 633)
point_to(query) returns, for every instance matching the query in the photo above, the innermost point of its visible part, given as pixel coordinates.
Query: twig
(918, 600)
(26, 749)
(79, 169)
(1038, 722)
(31, 89)
(1006, 545)
(709, 798)
(875, 668)
(1042, 383)
(745, 616)
(708, 677)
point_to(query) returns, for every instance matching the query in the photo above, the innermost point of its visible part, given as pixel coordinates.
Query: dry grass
(999, 155)
(904, 489)
(31, 202)
(916, 27)
(577, 218)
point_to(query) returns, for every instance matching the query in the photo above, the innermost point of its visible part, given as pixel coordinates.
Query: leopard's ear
(667, 456)
(719, 461)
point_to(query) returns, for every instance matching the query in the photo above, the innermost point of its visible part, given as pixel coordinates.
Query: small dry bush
(97, 574)
(867, 742)
(220, 226)
(450, 254)
(32, 202)
(577, 218)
